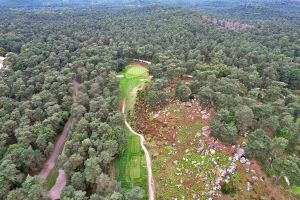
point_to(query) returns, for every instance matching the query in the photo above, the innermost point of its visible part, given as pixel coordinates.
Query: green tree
(182, 91)
(2, 52)
(135, 193)
(258, 145)
(244, 118)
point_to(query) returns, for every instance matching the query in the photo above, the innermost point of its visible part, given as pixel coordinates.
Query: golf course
(133, 168)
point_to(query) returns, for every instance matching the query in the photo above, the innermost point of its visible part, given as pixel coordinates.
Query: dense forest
(250, 77)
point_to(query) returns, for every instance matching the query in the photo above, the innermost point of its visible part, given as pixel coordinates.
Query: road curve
(151, 187)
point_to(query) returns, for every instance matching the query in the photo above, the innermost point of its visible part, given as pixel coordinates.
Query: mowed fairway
(131, 166)
(134, 77)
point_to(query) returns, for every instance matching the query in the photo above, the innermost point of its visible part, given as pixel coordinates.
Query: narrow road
(61, 180)
(60, 183)
(148, 158)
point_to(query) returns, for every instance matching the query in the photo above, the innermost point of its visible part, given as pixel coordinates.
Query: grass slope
(131, 166)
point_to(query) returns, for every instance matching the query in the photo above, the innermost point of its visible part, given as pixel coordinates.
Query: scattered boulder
(231, 168)
(218, 181)
(243, 160)
(202, 146)
(249, 186)
(240, 152)
(224, 173)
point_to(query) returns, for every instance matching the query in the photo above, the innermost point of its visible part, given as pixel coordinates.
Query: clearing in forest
(190, 164)
(183, 165)
(131, 166)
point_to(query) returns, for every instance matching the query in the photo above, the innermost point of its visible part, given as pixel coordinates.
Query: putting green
(136, 71)
(134, 78)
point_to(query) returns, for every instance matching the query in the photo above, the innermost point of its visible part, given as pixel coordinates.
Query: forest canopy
(251, 78)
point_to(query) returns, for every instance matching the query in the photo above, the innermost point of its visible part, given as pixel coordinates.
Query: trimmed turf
(296, 190)
(136, 71)
(131, 166)
(134, 77)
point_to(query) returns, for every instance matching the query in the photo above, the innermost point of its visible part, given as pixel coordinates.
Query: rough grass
(175, 173)
(51, 179)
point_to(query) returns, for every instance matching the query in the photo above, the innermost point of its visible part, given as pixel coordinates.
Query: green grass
(132, 71)
(134, 78)
(135, 170)
(51, 179)
(296, 190)
(131, 166)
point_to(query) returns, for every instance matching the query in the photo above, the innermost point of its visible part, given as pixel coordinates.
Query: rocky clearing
(189, 164)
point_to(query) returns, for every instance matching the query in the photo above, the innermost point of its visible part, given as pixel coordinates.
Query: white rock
(249, 186)
(235, 157)
(240, 152)
(231, 168)
(243, 160)
(218, 180)
(287, 180)
(224, 173)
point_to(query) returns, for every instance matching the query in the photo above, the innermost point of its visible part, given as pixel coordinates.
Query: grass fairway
(131, 166)
(134, 78)
(296, 190)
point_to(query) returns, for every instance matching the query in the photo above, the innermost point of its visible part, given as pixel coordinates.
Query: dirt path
(61, 180)
(50, 164)
(60, 183)
(147, 155)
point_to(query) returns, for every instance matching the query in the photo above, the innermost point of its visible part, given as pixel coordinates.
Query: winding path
(151, 187)
(61, 180)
